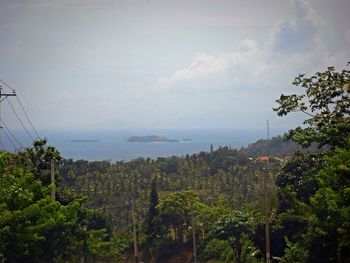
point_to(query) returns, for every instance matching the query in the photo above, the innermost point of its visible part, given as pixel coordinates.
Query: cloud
(204, 65)
(296, 45)
(248, 45)
(299, 33)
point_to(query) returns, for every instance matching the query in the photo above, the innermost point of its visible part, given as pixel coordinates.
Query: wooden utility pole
(266, 219)
(53, 190)
(134, 231)
(2, 97)
(193, 236)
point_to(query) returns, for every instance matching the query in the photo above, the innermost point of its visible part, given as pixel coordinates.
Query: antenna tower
(267, 130)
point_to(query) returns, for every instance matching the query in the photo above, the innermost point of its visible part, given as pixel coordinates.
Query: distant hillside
(277, 147)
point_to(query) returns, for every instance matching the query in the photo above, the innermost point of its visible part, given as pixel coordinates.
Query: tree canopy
(312, 188)
(326, 103)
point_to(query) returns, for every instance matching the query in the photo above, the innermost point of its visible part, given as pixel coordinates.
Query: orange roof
(263, 158)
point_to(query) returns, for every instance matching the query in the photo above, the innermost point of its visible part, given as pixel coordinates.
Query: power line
(25, 113)
(3, 98)
(9, 139)
(7, 85)
(13, 136)
(4, 95)
(13, 109)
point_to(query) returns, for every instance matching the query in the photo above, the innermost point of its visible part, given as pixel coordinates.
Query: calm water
(113, 145)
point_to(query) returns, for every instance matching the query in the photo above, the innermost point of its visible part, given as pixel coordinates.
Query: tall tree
(151, 226)
(313, 200)
(40, 156)
(236, 228)
(326, 103)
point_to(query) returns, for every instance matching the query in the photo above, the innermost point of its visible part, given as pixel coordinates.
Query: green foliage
(151, 227)
(216, 249)
(35, 228)
(221, 181)
(175, 211)
(100, 245)
(294, 252)
(39, 157)
(313, 189)
(298, 178)
(235, 228)
(250, 252)
(326, 102)
(330, 223)
(222, 250)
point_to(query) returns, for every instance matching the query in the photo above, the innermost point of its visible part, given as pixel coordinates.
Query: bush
(216, 248)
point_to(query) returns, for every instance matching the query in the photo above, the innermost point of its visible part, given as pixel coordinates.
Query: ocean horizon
(112, 145)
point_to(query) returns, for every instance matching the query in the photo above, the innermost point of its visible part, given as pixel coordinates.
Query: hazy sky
(100, 64)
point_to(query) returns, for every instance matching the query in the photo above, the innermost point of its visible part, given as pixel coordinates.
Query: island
(150, 138)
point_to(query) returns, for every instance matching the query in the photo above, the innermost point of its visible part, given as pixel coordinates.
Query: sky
(127, 64)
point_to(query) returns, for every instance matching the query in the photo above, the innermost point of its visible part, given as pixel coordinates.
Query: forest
(207, 207)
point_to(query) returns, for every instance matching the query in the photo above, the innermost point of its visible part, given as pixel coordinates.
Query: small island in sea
(150, 138)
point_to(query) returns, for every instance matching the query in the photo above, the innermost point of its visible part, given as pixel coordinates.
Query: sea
(112, 145)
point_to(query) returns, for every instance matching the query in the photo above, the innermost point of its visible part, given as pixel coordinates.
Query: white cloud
(204, 65)
(298, 33)
(296, 45)
(248, 45)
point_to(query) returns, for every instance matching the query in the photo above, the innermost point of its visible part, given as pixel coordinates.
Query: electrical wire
(13, 136)
(9, 139)
(19, 119)
(20, 103)
(25, 113)
(7, 85)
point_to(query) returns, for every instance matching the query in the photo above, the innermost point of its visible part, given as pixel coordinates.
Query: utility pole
(267, 130)
(133, 197)
(266, 219)
(136, 251)
(53, 190)
(2, 97)
(193, 236)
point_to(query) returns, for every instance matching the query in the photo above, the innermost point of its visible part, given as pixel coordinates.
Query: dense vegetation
(214, 198)
(36, 228)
